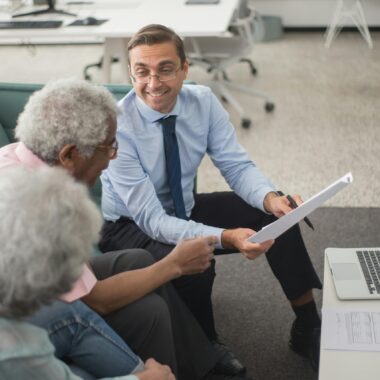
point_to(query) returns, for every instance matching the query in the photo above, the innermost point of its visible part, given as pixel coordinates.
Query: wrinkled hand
(279, 205)
(155, 371)
(237, 239)
(193, 255)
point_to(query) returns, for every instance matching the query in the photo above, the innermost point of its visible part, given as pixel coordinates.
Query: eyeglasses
(163, 75)
(110, 149)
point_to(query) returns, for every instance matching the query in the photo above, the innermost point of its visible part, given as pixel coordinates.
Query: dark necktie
(173, 165)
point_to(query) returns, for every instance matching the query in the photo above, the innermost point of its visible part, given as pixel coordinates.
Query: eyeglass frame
(111, 149)
(149, 77)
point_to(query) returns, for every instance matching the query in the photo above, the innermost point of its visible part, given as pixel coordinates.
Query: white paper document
(353, 330)
(275, 229)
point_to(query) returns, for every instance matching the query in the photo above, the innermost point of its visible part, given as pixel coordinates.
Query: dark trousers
(158, 325)
(288, 257)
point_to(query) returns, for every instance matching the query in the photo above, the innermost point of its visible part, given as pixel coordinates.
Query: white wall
(312, 13)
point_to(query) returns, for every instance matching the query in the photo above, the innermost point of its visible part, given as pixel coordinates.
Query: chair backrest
(243, 9)
(13, 97)
(246, 22)
(215, 53)
(257, 26)
(4, 139)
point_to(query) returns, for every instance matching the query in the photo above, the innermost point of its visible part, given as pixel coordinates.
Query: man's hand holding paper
(289, 219)
(238, 239)
(279, 205)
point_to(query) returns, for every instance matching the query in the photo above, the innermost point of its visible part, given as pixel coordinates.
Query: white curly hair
(66, 111)
(48, 228)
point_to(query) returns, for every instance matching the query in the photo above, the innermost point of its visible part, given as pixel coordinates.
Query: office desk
(101, 9)
(187, 20)
(346, 365)
(124, 17)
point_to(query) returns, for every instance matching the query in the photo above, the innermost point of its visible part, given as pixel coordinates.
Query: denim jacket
(26, 353)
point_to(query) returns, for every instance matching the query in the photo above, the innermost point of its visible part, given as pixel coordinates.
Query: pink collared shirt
(19, 154)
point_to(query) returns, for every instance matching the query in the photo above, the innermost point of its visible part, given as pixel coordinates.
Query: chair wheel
(269, 106)
(246, 123)
(224, 100)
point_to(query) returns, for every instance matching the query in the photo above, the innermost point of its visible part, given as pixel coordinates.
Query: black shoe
(218, 376)
(306, 343)
(228, 363)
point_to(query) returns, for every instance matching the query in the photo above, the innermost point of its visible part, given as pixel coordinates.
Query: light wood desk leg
(107, 60)
(115, 47)
(342, 12)
(362, 25)
(332, 30)
(124, 60)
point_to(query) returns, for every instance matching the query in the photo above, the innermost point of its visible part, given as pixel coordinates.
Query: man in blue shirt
(149, 202)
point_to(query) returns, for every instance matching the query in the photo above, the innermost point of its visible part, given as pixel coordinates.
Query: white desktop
(124, 18)
(346, 365)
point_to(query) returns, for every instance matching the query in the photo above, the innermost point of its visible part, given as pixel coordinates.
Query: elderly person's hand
(192, 256)
(155, 371)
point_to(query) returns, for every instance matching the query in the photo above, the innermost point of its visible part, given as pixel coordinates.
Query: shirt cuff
(214, 231)
(260, 196)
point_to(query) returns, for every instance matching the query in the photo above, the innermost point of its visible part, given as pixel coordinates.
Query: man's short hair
(156, 34)
(48, 228)
(66, 111)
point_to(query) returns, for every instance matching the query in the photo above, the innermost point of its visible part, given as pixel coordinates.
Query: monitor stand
(50, 9)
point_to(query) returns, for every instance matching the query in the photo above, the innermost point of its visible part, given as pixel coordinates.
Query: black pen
(293, 205)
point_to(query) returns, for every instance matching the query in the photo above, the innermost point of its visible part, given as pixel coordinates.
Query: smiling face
(160, 96)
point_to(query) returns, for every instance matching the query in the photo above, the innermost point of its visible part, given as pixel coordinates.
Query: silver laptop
(355, 272)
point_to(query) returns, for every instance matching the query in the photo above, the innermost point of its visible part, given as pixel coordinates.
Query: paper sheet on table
(354, 330)
(275, 229)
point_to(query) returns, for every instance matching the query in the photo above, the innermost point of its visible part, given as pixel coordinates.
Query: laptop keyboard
(38, 24)
(370, 263)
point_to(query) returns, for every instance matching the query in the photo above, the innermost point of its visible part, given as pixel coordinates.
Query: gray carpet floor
(251, 311)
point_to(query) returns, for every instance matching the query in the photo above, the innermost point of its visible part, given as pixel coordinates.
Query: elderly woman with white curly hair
(45, 237)
(72, 124)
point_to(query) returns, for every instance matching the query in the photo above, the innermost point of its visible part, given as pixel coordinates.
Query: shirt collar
(26, 156)
(152, 115)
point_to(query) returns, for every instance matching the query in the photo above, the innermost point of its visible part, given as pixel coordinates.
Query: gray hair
(48, 228)
(66, 111)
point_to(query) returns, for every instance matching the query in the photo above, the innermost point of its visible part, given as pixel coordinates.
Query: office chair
(216, 54)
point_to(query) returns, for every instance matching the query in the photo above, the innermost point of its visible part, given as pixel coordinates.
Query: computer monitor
(49, 9)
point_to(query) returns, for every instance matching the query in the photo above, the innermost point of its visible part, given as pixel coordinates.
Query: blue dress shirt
(135, 183)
